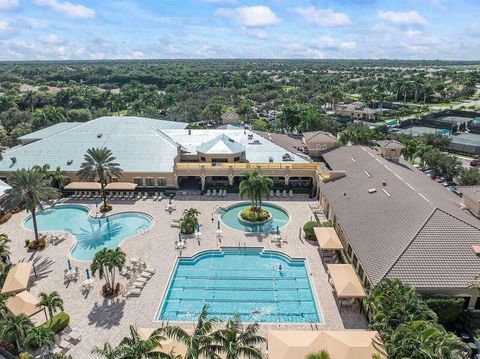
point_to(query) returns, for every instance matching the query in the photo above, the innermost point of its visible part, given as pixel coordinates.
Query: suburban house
(394, 222)
(318, 142)
(157, 154)
(357, 111)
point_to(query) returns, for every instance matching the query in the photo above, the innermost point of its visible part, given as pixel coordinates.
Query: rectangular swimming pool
(259, 285)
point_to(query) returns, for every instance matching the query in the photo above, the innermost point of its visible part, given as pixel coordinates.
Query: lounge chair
(214, 193)
(149, 269)
(209, 193)
(139, 284)
(284, 193)
(146, 274)
(133, 292)
(224, 193)
(290, 193)
(130, 196)
(271, 193)
(155, 196)
(65, 275)
(73, 337)
(277, 193)
(64, 345)
(174, 224)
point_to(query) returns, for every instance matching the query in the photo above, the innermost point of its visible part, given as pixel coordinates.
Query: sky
(300, 29)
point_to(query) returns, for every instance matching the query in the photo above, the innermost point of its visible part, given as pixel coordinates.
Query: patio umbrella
(88, 273)
(198, 227)
(218, 225)
(69, 265)
(278, 231)
(96, 203)
(179, 236)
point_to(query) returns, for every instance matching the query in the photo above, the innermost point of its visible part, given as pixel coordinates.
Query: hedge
(447, 309)
(57, 323)
(308, 229)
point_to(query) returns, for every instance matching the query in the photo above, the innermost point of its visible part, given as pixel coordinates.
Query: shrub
(447, 309)
(25, 355)
(308, 229)
(7, 346)
(106, 208)
(4, 218)
(58, 322)
(255, 214)
(327, 224)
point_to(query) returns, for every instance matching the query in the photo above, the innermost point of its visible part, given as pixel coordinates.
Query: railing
(224, 165)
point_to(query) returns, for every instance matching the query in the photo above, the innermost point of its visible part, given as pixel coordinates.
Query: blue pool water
(91, 234)
(279, 218)
(246, 281)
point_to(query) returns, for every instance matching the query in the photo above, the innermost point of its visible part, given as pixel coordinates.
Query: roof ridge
(410, 242)
(459, 219)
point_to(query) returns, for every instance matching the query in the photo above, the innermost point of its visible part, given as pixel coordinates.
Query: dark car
(475, 163)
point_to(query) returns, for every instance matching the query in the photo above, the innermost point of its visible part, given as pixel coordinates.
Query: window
(219, 160)
(349, 251)
(162, 182)
(203, 159)
(355, 261)
(237, 159)
(360, 271)
(138, 181)
(477, 304)
(149, 182)
(114, 179)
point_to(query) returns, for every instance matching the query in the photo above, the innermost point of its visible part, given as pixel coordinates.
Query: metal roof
(381, 225)
(222, 144)
(48, 131)
(136, 142)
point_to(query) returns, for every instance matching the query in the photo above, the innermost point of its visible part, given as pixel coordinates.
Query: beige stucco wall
(473, 206)
(315, 148)
(391, 154)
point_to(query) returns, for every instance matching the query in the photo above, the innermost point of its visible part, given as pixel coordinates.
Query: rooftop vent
(384, 183)
(372, 190)
(270, 159)
(1, 156)
(69, 162)
(14, 159)
(476, 249)
(99, 135)
(368, 174)
(353, 159)
(189, 132)
(386, 192)
(230, 140)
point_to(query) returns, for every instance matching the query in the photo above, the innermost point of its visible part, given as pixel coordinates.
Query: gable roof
(472, 192)
(380, 226)
(320, 136)
(230, 116)
(392, 144)
(222, 144)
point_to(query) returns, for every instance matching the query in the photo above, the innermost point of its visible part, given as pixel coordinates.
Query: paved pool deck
(100, 320)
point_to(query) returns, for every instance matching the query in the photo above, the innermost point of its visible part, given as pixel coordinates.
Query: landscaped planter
(254, 222)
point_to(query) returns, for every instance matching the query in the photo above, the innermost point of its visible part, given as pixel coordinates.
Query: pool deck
(99, 319)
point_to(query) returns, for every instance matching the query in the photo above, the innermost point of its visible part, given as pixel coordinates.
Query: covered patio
(361, 344)
(121, 186)
(328, 240)
(17, 278)
(23, 303)
(83, 186)
(346, 283)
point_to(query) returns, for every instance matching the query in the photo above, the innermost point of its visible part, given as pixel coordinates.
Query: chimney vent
(69, 162)
(14, 159)
(99, 135)
(372, 190)
(189, 132)
(384, 183)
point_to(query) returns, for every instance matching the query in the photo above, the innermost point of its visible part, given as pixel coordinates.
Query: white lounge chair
(290, 193)
(155, 196)
(133, 292)
(284, 193)
(214, 193)
(224, 193)
(271, 193)
(277, 193)
(149, 269)
(209, 193)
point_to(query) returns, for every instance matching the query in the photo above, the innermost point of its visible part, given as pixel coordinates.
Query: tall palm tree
(3, 307)
(202, 341)
(238, 342)
(4, 248)
(52, 301)
(40, 337)
(99, 164)
(255, 186)
(107, 352)
(191, 212)
(15, 327)
(422, 150)
(134, 347)
(59, 178)
(106, 262)
(29, 188)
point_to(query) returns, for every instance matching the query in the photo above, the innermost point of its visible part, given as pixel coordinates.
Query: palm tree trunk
(35, 227)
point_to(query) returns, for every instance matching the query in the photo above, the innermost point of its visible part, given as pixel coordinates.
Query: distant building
(471, 198)
(229, 118)
(357, 111)
(390, 149)
(318, 141)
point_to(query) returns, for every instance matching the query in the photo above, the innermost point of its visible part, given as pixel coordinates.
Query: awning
(121, 186)
(347, 344)
(23, 303)
(167, 345)
(345, 280)
(327, 238)
(83, 186)
(17, 278)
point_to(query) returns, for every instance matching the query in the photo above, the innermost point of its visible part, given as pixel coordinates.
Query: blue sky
(108, 29)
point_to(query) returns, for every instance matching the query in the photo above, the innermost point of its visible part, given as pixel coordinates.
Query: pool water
(246, 281)
(279, 218)
(91, 234)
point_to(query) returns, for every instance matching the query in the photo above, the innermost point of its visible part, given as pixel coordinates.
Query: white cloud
(220, 1)
(49, 39)
(323, 17)
(348, 45)
(206, 51)
(255, 32)
(67, 8)
(251, 16)
(137, 55)
(402, 18)
(325, 41)
(6, 28)
(8, 4)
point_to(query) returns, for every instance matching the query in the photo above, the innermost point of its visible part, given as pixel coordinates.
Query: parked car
(475, 163)
(449, 184)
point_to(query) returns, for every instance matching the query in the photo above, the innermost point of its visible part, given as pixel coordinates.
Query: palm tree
(202, 341)
(323, 354)
(4, 248)
(191, 212)
(58, 178)
(134, 347)
(99, 164)
(51, 301)
(255, 186)
(107, 352)
(238, 342)
(15, 327)
(29, 188)
(3, 307)
(106, 262)
(422, 151)
(40, 337)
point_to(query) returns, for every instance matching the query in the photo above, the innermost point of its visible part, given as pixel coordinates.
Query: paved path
(101, 320)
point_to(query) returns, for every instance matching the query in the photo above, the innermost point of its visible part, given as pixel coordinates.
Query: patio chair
(145, 195)
(224, 192)
(271, 193)
(290, 193)
(65, 275)
(64, 345)
(133, 292)
(155, 196)
(146, 274)
(284, 193)
(77, 272)
(149, 269)
(174, 224)
(277, 193)
(214, 193)
(209, 193)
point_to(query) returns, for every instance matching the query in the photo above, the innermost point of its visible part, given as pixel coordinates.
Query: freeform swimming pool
(244, 281)
(279, 218)
(91, 234)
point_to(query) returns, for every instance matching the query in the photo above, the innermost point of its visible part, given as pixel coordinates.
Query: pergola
(346, 283)
(327, 239)
(23, 303)
(346, 344)
(17, 278)
(83, 186)
(121, 186)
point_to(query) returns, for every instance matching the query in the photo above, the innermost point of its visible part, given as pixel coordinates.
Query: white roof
(3, 187)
